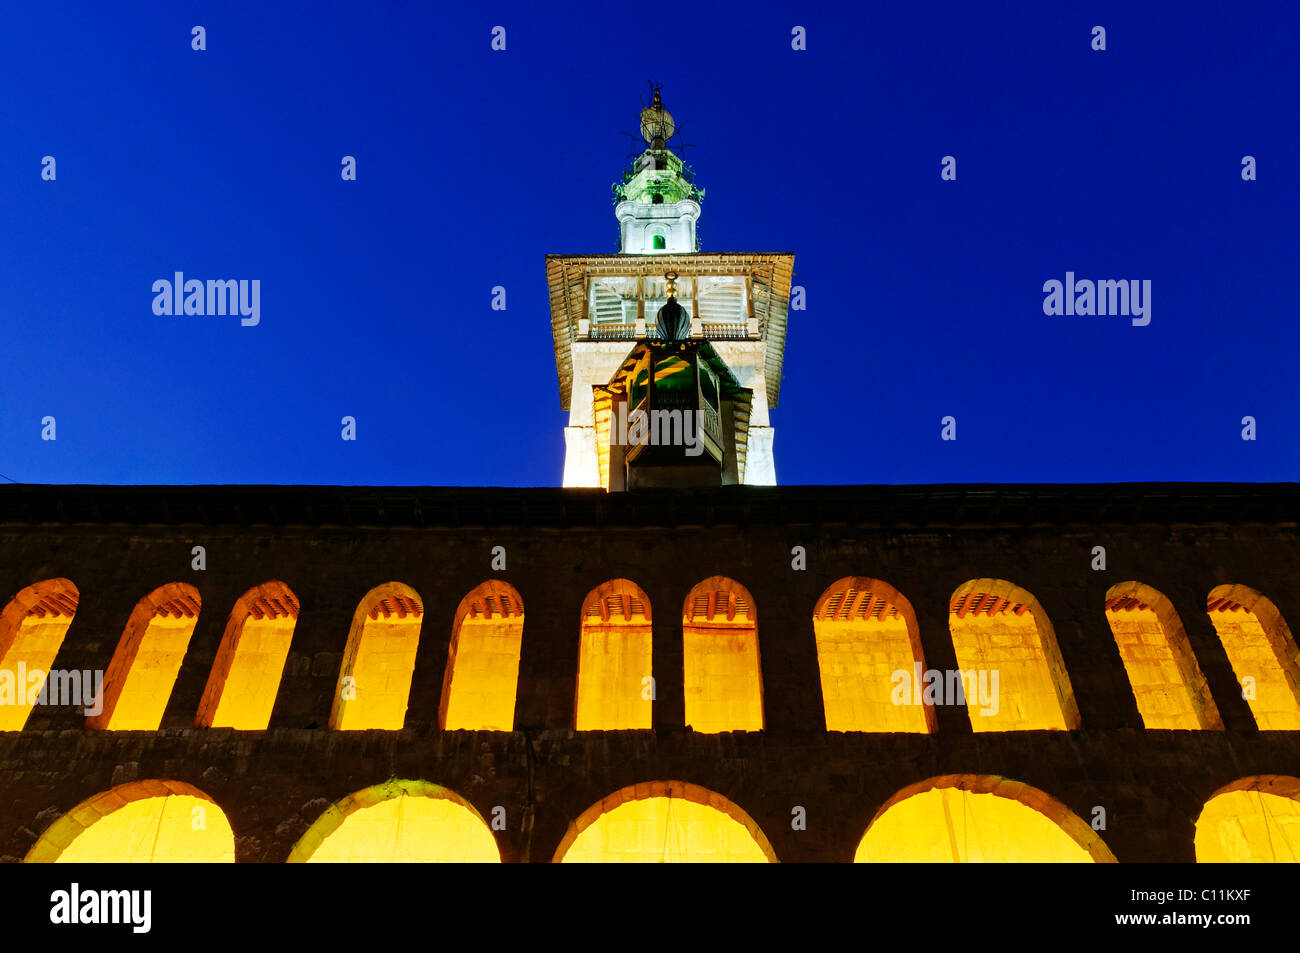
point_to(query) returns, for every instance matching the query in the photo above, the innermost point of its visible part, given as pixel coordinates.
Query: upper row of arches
(871, 662)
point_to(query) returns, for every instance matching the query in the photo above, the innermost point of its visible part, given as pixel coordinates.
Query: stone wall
(332, 545)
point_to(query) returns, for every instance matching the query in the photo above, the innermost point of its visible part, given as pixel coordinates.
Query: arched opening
(399, 822)
(478, 689)
(144, 822)
(658, 243)
(1167, 682)
(1263, 654)
(867, 644)
(32, 627)
(1006, 650)
(723, 679)
(250, 660)
(967, 818)
(663, 822)
(139, 680)
(614, 690)
(375, 678)
(1253, 820)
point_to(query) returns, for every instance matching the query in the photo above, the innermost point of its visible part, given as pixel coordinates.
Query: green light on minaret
(657, 176)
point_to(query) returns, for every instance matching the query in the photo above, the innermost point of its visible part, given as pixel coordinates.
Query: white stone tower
(603, 318)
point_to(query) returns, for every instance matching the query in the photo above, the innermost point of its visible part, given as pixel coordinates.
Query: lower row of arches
(959, 818)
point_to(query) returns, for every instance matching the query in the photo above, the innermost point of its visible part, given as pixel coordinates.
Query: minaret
(658, 204)
(688, 344)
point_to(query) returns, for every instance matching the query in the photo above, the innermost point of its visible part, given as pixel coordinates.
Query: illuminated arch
(664, 822)
(724, 681)
(139, 679)
(1167, 682)
(375, 677)
(1261, 648)
(967, 818)
(614, 659)
(482, 677)
(866, 632)
(140, 823)
(32, 627)
(246, 674)
(1253, 820)
(999, 629)
(399, 822)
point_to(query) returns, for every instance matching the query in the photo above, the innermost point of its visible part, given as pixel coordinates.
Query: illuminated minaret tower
(668, 358)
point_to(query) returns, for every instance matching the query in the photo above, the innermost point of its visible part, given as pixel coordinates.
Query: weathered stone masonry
(332, 545)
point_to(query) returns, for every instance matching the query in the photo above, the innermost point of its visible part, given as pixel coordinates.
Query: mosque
(667, 658)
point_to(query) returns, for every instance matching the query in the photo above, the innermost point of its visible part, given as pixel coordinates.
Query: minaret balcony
(613, 332)
(627, 331)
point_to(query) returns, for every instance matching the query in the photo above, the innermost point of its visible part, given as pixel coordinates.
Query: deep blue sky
(924, 297)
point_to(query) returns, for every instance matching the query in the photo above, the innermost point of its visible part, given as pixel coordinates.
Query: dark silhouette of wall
(332, 545)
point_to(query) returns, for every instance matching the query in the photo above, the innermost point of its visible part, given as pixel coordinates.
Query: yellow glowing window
(1005, 645)
(1263, 654)
(863, 642)
(614, 660)
(32, 628)
(483, 664)
(1170, 690)
(246, 674)
(140, 823)
(948, 824)
(375, 680)
(399, 822)
(665, 829)
(143, 670)
(1257, 823)
(723, 680)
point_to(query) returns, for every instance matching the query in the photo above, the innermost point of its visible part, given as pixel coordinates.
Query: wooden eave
(771, 274)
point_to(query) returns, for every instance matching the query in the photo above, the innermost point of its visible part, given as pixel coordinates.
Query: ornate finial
(673, 322)
(656, 122)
